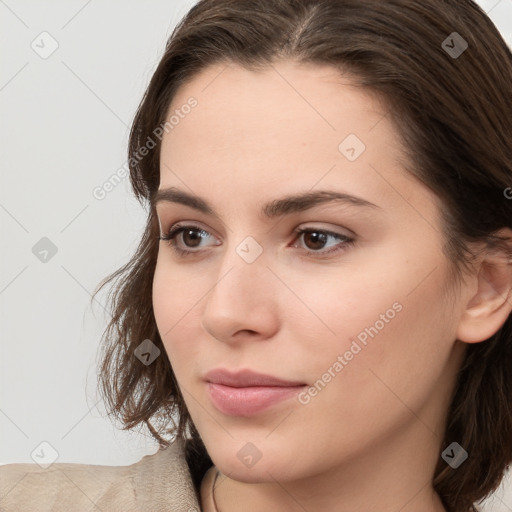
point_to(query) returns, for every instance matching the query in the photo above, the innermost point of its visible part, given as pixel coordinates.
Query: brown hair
(454, 116)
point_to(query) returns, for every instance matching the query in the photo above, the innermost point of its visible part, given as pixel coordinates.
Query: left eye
(191, 237)
(318, 237)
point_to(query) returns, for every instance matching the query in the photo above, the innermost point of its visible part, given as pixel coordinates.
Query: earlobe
(490, 306)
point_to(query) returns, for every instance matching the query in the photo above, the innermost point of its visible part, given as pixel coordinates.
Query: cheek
(395, 325)
(390, 353)
(173, 304)
(176, 294)
(373, 376)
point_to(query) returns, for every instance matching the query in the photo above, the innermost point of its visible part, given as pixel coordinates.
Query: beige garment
(157, 483)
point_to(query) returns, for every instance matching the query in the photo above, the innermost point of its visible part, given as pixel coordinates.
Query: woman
(318, 313)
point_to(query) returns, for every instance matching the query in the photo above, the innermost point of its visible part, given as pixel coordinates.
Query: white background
(64, 124)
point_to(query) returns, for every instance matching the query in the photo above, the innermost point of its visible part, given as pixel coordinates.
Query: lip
(246, 378)
(245, 392)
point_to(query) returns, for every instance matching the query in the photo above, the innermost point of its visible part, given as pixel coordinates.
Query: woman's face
(365, 328)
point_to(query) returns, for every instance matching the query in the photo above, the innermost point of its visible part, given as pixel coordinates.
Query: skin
(370, 439)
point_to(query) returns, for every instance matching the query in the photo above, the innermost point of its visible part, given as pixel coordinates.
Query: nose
(243, 302)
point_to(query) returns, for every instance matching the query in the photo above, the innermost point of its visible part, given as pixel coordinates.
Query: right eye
(191, 233)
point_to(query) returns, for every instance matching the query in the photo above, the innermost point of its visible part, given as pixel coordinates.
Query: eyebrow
(275, 208)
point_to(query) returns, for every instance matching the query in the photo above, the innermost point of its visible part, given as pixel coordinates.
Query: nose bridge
(241, 297)
(243, 267)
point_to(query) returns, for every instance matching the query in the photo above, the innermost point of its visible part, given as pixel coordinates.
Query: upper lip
(246, 378)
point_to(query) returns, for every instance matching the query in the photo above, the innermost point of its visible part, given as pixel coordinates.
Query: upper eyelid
(197, 225)
(183, 225)
(344, 207)
(186, 223)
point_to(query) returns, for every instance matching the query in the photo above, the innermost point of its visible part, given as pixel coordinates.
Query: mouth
(246, 393)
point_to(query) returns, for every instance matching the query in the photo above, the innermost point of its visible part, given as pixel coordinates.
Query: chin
(256, 475)
(267, 469)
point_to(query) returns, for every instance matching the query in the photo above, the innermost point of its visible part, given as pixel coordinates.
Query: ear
(491, 304)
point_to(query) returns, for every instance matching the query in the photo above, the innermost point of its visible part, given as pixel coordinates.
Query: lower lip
(248, 401)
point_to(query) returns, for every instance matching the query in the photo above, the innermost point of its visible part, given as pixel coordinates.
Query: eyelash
(176, 230)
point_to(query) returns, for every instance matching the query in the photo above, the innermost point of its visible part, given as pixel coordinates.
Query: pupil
(196, 237)
(318, 238)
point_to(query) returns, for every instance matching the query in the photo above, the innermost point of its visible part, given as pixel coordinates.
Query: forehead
(281, 102)
(289, 125)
